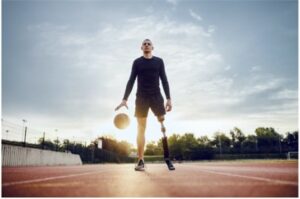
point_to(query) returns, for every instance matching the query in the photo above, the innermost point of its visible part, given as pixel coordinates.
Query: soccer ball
(121, 121)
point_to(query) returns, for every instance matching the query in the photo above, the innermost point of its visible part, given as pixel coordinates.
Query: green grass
(244, 161)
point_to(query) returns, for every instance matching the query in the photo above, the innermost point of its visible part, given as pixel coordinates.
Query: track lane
(212, 179)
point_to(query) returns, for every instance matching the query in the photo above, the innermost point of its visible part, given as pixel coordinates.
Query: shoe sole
(170, 168)
(142, 169)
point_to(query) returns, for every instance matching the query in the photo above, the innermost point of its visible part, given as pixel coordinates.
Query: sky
(65, 64)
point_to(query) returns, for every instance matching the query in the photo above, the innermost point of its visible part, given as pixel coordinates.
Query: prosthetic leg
(165, 145)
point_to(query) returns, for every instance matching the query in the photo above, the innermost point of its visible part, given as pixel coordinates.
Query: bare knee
(161, 118)
(142, 123)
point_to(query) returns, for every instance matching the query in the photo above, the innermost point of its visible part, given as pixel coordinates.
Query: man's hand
(169, 105)
(123, 103)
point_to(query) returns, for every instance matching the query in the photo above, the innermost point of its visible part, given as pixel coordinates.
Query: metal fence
(23, 135)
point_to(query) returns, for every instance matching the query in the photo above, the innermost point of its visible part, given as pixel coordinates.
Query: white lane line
(250, 177)
(49, 178)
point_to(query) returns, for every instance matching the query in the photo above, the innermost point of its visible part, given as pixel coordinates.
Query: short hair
(147, 40)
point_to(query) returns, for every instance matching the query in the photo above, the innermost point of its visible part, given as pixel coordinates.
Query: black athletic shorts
(155, 102)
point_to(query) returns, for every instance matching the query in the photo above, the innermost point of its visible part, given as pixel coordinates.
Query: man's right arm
(131, 81)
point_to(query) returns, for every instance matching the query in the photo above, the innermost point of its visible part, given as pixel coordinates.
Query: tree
(47, 144)
(221, 142)
(290, 142)
(175, 146)
(124, 148)
(153, 149)
(189, 144)
(66, 145)
(268, 140)
(250, 144)
(237, 138)
(57, 144)
(111, 144)
(204, 140)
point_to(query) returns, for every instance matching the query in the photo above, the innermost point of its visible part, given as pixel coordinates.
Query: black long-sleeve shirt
(148, 72)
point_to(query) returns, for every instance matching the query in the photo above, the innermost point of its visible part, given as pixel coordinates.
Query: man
(148, 69)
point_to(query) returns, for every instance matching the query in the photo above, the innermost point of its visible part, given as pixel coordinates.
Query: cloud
(85, 73)
(75, 77)
(286, 94)
(212, 28)
(195, 16)
(228, 67)
(255, 68)
(92, 84)
(173, 2)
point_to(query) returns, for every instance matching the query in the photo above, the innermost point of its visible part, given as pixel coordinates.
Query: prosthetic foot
(166, 148)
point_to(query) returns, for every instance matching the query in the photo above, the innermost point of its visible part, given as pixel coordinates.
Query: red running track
(200, 179)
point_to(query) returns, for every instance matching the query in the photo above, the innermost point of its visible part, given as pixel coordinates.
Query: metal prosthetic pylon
(165, 147)
(165, 141)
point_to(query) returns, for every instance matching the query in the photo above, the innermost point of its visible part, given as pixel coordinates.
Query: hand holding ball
(121, 120)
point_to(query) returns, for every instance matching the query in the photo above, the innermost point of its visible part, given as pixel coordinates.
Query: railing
(22, 135)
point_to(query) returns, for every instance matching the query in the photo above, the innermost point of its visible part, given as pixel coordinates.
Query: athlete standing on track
(148, 69)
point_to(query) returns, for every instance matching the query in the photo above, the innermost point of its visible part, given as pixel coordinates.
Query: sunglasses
(149, 44)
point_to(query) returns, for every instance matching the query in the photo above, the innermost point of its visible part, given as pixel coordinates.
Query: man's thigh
(156, 104)
(141, 107)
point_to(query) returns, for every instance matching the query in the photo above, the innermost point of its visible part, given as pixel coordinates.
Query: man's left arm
(165, 83)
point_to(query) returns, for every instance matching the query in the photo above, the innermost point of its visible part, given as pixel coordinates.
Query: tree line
(189, 147)
(181, 147)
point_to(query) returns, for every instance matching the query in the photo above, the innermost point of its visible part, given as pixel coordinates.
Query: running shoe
(140, 166)
(169, 164)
